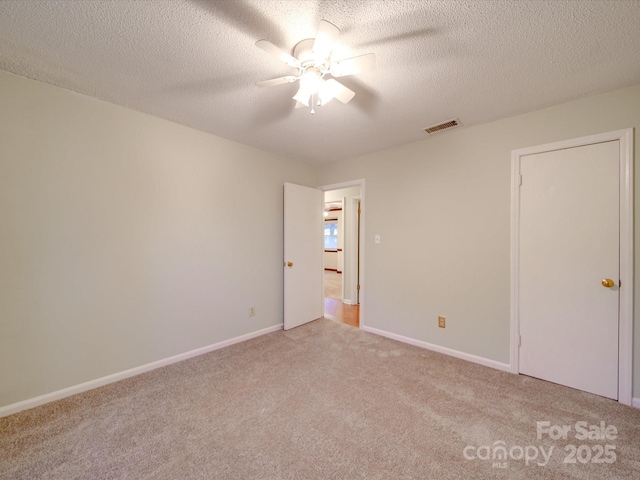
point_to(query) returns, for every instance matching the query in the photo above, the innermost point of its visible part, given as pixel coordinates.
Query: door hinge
(359, 211)
(519, 340)
(520, 180)
(358, 287)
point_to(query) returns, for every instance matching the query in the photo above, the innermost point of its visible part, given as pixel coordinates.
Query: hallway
(341, 312)
(334, 309)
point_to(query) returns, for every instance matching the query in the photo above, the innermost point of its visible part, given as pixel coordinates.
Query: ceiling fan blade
(349, 66)
(269, 47)
(337, 90)
(325, 38)
(277, 81)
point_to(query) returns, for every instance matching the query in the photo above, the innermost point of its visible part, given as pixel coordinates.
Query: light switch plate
(377, 238)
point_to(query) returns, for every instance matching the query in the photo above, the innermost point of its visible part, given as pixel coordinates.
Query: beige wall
(126, 239)
(442, 208)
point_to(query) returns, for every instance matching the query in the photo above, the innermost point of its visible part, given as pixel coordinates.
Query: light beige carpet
(333, 285)
(322, 401)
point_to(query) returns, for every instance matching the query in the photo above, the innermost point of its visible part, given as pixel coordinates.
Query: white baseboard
(505, 367)
(98, 382)
(635, 403)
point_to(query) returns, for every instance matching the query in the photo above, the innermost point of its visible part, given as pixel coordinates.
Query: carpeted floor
(333, 285)
(322, 401)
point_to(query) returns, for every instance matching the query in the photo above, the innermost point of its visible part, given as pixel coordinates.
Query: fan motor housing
(303, 52)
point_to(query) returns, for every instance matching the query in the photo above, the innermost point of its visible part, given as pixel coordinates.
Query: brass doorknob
(289, 264)
(607, 282)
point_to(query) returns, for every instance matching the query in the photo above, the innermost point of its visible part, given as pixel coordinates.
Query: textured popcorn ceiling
(194, 62)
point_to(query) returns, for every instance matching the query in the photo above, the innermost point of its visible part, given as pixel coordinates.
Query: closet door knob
(607, 282)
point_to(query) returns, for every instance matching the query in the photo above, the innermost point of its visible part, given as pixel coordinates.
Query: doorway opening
(342, 252)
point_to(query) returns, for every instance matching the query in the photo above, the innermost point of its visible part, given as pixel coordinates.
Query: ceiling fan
(312, 59)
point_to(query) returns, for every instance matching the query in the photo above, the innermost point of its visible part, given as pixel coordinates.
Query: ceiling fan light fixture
(302, 96)
(311, 80)
(311, 57)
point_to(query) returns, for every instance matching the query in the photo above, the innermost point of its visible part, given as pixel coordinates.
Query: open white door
(303, 252)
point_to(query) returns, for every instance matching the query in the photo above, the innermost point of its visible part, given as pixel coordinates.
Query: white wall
(125, 239)
(442, 209)
(331, 261)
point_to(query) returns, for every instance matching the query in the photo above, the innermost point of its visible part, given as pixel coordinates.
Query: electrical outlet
(252, 311)
(442, 322)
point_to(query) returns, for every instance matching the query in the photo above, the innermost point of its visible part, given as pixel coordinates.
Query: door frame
(625, 319)
(352, 246)
(338, 186)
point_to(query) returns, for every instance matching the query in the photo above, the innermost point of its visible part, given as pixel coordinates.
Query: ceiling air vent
(443, 126)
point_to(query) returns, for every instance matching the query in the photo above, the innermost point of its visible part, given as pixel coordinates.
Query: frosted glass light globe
(311, 81)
